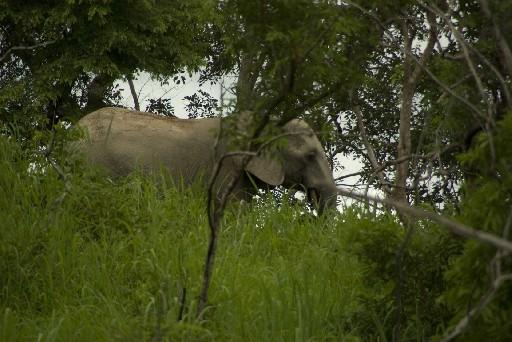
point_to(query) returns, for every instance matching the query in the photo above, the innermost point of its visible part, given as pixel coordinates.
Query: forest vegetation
(417, 91)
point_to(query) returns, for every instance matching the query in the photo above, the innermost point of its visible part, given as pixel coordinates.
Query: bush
(486, 205)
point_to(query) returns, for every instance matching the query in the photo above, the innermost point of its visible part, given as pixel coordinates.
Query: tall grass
(122, 260)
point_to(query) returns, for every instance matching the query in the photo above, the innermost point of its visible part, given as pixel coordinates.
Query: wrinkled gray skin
(123, 140)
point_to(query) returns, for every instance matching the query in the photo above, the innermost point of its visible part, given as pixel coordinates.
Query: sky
(150, 89)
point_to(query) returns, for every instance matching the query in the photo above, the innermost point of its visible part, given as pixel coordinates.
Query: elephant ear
(268, 169)
(265, 167)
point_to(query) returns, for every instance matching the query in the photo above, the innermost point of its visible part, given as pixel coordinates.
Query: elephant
(122, 140)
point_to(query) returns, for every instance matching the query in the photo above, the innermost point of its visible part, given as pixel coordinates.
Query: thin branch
(369, 150)
(483, 302)
(21, 47)
(425, 68)
(484, 59)
(427, 52)
(499, 76)
(215, 211)
(464, 46)
(410, 80)
(214, 217)
(462, 42)
(349, 175)
(388, 163)
(212, 243)
(262, 147)
(62, 175)
(447, 89)
(455, 227)
(454, 85)
(133, 92)
(507, 53)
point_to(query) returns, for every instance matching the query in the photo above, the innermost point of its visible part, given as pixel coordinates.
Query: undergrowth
(104, 260)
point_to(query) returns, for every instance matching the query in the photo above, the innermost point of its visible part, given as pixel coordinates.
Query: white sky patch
(148, 88)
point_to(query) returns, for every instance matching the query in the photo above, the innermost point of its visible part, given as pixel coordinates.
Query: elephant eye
(311, 156)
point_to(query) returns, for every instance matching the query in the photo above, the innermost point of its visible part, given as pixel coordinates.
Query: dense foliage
(60, 58)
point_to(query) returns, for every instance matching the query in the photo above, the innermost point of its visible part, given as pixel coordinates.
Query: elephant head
(300, 163)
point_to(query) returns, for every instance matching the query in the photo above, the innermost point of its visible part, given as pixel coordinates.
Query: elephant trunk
(323, 198)
(328, 200)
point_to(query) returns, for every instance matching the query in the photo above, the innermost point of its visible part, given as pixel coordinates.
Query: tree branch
(497, 280)
(505, 48)
(133, 92)
(483, 302)
(370, 152)
(425, 68)
(388, 163)
(460, 39)
(217, 204)
(22, 47)
(409, 84)
(455, 227)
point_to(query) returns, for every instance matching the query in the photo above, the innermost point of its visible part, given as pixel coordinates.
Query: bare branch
(427, 52)
(216, 205)
(425, 68)
(133, 92)
(484, 301)
(464, 54)
(249, 69)
(410, 81)
(498, 74)
(455, 227)
(502, 42)
(462, 43)
(21, 47)
(388, 163)
(464, 46)
(453, 86)
(60, 172)
(349, 175)
(447, 89)
(214, 217)
(497, 280)
(369, 150)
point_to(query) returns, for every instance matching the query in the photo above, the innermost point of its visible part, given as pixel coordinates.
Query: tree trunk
(412, 72)
(134, 93)
(404, 132)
